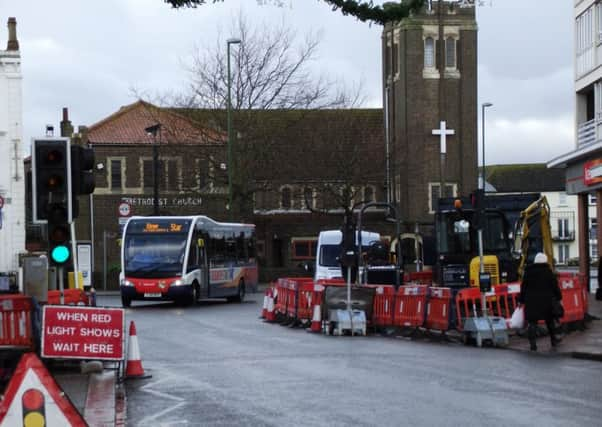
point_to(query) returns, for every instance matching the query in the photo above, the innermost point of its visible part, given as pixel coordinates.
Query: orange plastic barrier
(573, 299)
(419, 277)
(15, 322)
(281, 296)
(310, 295)
(295, 288)
(468, 304)
(503, 299)
(383, 306)
(71, 297)
(410, 306)
(438, 309)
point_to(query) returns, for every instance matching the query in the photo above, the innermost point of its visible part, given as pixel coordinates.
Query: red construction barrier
(438, 309)
(281, 296)
(503, 299)
(573, 299)
(71, 297)
(419, 277)
(383, 306)
(306, 299)
(468, 304)
(15, 322)
(410, 306)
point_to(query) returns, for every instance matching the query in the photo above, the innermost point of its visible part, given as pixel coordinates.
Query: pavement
(582, 341)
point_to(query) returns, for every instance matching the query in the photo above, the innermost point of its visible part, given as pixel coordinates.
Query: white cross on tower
(443, 132)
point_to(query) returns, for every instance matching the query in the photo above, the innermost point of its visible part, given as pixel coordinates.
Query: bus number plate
(152, 294)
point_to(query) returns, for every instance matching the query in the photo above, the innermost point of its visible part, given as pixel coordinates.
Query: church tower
(430, 102)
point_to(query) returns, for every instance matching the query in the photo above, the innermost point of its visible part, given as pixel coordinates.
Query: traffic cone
(134, 367)
(264, 310)
(270, 316)
(316, 321)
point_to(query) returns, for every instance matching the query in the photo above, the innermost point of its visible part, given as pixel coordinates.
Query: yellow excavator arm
(535, 216)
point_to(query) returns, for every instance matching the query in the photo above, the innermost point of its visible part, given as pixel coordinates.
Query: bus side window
(193, 254)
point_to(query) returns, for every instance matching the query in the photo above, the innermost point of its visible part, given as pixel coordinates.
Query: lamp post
(229, 112)
(152, 130)
(483, 106)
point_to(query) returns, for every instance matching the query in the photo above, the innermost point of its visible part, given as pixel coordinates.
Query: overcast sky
(88, 55)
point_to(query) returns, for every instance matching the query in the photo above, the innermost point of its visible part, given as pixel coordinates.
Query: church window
(451, 190)
(429, 52)
(116, 177)
(286, 198)
(450, 52)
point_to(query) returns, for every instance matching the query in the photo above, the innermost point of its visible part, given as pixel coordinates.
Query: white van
(329, 250)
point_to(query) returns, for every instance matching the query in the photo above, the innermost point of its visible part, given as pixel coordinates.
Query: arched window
(429, 52)
(285, 198)
(450, 52)
(308, 198)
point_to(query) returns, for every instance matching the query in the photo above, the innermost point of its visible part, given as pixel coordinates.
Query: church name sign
(163, 201)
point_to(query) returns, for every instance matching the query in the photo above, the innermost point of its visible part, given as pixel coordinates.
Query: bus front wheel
(240, 295)
(125, 301)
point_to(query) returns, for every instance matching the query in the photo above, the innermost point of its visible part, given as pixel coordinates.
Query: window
(429, 53)
(303, 248)
(308, 197)
(563, 228)
(172, 175)
(368, 194)
(116, 180)
(593, 228)
(205, 173)
(435, 193)
(286, 198)
(563, 254)
(562, 199)
(450, 52)
(395, 55)
(147, 174)
(592, 199)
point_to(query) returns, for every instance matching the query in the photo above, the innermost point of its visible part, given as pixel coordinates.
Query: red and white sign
(592, 172)
(83, 333)
(34, 398)
(125, 209)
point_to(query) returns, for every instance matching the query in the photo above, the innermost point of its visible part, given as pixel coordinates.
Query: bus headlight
(176, 283)
(125, 282)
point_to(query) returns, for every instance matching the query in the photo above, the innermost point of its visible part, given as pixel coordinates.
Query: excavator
(513, 229)
(532, 234)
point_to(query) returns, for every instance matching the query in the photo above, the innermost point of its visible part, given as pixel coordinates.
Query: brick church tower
(430, 89)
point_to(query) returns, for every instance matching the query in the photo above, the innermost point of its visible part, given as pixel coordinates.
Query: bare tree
(272, 88)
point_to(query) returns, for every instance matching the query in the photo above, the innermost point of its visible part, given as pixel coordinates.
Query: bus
(186, 258)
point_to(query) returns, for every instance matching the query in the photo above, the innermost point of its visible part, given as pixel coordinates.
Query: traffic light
(51, 166)
(51, 179)
(33, 405)
(82, 175)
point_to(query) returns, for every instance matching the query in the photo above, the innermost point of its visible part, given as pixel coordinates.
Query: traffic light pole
(60, 273)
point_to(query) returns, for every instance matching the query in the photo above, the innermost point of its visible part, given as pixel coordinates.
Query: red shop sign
(592, 172)
(83, 332)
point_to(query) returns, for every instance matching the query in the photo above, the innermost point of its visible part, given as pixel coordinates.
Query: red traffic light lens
(54, 157)
(54, 182)
(58, 235)
(33, 400)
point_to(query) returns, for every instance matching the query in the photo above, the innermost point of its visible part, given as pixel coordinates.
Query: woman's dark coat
(538, 290)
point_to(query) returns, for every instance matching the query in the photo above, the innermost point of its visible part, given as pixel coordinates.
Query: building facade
(12, 187)
(583, 165)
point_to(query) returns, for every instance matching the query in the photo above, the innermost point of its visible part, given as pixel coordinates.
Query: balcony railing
(566, 236)
(586, 133)
(563, 225)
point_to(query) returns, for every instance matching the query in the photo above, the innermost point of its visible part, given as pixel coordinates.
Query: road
(217, 364)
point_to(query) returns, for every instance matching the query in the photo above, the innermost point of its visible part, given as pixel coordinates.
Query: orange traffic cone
(270, 316)
(134, 367)
(264, 310)
(316, 321)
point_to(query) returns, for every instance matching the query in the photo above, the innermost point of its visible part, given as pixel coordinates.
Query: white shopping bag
(517, 321)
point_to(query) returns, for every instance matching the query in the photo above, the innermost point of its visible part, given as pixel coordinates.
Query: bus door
(203, 266)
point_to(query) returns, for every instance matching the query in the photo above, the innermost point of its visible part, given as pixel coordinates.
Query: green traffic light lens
(60, 254)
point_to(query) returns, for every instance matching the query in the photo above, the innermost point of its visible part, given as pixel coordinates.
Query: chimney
(66, 126)
(13, 43)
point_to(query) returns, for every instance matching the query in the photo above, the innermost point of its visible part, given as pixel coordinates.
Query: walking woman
(539, 290)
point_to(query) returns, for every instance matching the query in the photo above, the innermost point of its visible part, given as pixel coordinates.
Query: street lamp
(153, 130)
(228, 43)
(483, 106)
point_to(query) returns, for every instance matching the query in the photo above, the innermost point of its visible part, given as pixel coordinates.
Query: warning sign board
(34, 398)
(83, 332)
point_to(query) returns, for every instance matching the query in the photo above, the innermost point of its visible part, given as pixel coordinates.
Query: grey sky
(87, 55)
